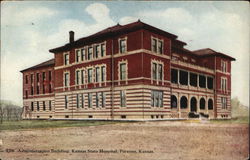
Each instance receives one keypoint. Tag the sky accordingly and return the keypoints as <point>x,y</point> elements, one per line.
<point>30,29</point>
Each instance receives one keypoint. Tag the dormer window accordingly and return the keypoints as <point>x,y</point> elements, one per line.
<point>122,45</point>
<point>66,59</point>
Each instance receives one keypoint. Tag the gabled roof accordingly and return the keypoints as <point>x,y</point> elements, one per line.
<point>48,63</point>
<point>209,52</point>
<point>114,30</point>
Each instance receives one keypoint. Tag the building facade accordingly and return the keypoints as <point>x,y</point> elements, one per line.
<point>133,71</point>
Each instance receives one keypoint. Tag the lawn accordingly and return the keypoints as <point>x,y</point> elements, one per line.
<point>235,120</point>
<point>32,124</point>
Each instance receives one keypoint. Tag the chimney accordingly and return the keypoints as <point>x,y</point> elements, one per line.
<point>71,36</point>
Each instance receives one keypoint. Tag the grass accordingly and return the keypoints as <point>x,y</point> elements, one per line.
<point>235,120</point>
<point>34,124</point>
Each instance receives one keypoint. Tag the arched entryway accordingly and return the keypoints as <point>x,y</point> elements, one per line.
<point>193,104</point>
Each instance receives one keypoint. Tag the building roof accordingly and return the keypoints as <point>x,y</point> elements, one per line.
<point>209,52</point>
<point>114,30</point>
<point>48,63</point>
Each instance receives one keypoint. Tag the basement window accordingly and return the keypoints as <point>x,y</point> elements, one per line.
<point>37,116</point>
<point>123,116</point>
<point>66,116</point>
<point>90,116</point>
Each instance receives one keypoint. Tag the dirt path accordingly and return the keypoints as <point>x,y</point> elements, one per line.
<point>160,140</point>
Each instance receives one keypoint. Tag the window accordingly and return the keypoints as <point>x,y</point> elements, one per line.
<point>193,79</point>
<point>103,49</point>
<point>183,102</point>
<point>173,101</point>
<point>32,106</point>
<point>90,75</point>
<point>82,78</point>
<point>97,74</point>
<point>154,71</point>
<point>157,45</point>
<point>50,75</point>
<point>26,79</point>
<point>223,84</point>
<point>82,100</point>
<point>97,51</point>
<point>123,98</point>
<point>78,55</point>
<point>123,116</point>
<point>97,100</point>
<point>37,89</point>
<point>44,106</point>
<point>66,59</point>
<point>83,54</point>
<point>50,105</point>
<point>183,78</point>
<point>210,82</point>
<point>103,70</point>
<point>202,81</point>
<point>37,106</point>
<point>122,45</point>
<point>66,79</point>
<point>43,76</point>
<point>210,104</point>
<point>66,100</point>
<point>156,98</point>
<point>32,78</point>
<point>160,47</point>
<point>43,89</point>
<point>154,45</point>
<point>174,76</point>
<point>50,88</point>
<point>78,104</point>
<point>202,103</point>
<point>103,99</point>
<point>37,77</point>
<point>224,102</point>
<point>89,100</point>
<point>78,77</point>
<point>122,71</point>
<point>26,94</point>
<point>160,72</point>
<point>90,53</point>
<point>31,90</point>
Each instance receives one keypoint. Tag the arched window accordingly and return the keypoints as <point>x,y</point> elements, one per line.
<point>183,102</point>
<point>210,104</point>
<point>193,104</point>
<point>173,101</point>
<point>202,103</point>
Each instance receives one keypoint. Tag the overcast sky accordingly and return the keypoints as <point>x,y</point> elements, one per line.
<point>30,29</point>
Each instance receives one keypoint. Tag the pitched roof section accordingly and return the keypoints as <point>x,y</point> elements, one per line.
<point>117,29</point>
<point>48,63</point>
<point>209,52</point>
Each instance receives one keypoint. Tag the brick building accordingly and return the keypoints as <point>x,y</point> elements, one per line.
<point>133,71</point>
